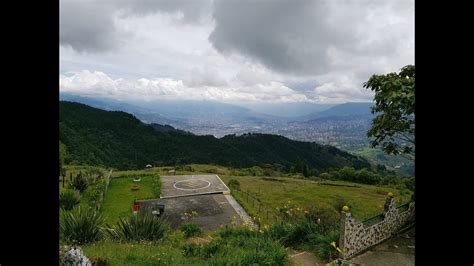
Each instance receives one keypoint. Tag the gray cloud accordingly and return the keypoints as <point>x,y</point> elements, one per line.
<point>309,37</point>
<point>264,50</point>
<point>188,11</point>
<point>90,26</point>
<point>87,26</point>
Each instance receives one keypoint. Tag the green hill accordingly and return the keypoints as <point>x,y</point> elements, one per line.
<point>118,139</point>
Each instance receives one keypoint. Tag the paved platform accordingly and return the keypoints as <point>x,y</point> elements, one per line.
<point>186,185</point>
<point>213,210</point>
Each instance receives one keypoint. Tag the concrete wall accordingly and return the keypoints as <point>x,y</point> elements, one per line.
<point>357,237</point>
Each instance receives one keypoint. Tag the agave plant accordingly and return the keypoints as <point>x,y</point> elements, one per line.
<point>79,183</point>
<point>81,226</point>
<point>68,199</point>
<point>139,227</point>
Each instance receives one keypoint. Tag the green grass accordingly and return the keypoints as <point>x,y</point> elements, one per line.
<point>365,200</point>
<point>119,196</point>
<point>223,250</point>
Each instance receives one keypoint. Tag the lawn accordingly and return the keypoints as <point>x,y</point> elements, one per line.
<point>365,200</point>
<point>119,196</point>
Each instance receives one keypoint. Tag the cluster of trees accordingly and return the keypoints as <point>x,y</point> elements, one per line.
<point>117,139</point>
<point>353,175</point>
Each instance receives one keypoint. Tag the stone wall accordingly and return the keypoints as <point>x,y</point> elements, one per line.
<point>356,236</point>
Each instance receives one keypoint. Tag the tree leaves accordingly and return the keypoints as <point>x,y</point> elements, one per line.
<point>394,128</point>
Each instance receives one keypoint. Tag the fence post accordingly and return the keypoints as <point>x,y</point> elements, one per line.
<point>342,229</point>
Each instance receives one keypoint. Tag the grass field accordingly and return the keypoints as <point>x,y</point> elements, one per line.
<point>119,197</point>
<point>365,200</point>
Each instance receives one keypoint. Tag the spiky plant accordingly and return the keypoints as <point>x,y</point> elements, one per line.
<point>68,199</point>
<point>79,182</point>
<point>191,229</point>
<point>81,225</point>
<point>143,226</point>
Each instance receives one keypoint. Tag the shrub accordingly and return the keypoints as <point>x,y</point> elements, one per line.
<point>321,244</point>
<point>233,183</point>
<point>191,229</point>
<point>210,249</point>
<point>68,199</point>
<point>99,261</point>
<point>139,227</point>
<point>79,182</point>
<point>156,185</point>
<point>81,226</point>
<point>191,250</point>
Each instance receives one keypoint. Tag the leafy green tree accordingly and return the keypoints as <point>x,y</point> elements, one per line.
<point>62,154</point>
<point>393,129</point>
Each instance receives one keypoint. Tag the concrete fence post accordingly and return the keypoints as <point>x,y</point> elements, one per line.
<point>344,214</point>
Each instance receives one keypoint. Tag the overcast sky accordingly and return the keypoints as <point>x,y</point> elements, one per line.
<point>232,51</point>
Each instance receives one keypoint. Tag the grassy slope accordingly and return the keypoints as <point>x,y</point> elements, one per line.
<point>365,200</point>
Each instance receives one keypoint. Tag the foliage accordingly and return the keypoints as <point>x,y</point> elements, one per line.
<point>119,140</point>
<point>62,154</point>
<point>143,226</point>
<point>79,182</point>
<point>233,183</point>
<point>313,228</point>
<point>191,229</point>
<point>394,126</point>
<point>363,176</point>
<point>156,185</point>
<point>68,199</point>
<point>252,248</point>
<point>81,225</point>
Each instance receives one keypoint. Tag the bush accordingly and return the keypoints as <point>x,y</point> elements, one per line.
<point>81,226</point>
<point>156,185</point>
<point>99,261</point>
<point>139,227</point>
<point>314,229</point>
<point>191,229</point>
<point>321,244</point>
<point>191,250</point>
<point>68,199</point>
<point>233,183</point>
<point>79,183</point>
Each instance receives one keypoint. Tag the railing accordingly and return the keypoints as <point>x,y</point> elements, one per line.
<point>403,207</point>
<point>374,219</point>
<point>261,210</point>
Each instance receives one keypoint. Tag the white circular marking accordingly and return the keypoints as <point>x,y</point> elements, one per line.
<point>208,185</point>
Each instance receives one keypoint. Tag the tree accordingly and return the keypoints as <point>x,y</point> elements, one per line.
<point>62,154</point>
<point>393,129</point>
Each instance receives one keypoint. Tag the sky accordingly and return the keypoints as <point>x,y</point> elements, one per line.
<point>232,51</point>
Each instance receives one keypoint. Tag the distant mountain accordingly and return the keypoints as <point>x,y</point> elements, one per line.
<point>286,110</point>
<point>118,139</point>
<point>148,115</point>
<point>345,109</point>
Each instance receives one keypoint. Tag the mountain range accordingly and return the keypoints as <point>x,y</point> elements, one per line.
<point>118,139</point>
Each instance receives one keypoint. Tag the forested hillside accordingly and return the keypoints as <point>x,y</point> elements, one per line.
<point>117,139</point>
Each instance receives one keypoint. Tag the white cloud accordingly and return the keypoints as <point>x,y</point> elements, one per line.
<point>320,51</point>
<point>99,84</point>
